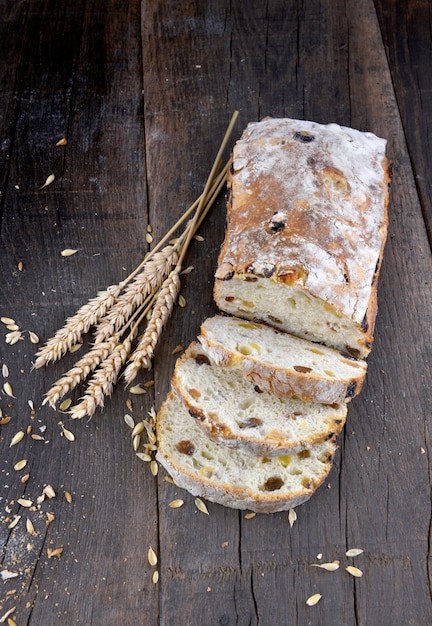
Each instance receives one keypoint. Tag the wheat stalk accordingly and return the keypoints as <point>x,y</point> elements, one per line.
<point>164,303</point>
<point>149,292</point>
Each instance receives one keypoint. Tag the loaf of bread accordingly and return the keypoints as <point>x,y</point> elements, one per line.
<point>230,477</point>
<point>307,223</point>
<point>281,363</point>
<point>236,413</point>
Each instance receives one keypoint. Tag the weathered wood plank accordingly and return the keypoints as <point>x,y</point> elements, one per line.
<point>406,32</point>
<point>132,157</point>
<point>78,76</point>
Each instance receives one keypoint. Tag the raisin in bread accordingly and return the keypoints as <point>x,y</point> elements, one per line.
<point>233,411</point>
<point>307,223</point>
<point>281,363</point>
<point>233,478</point>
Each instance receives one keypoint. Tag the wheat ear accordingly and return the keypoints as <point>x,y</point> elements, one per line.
<point>76,326</point>
<point>147,281</point>
<point>79,372</point>
<point>102,382</point>
<point>143,354</point>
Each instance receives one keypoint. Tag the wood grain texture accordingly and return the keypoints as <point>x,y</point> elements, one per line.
<point>143,92</point>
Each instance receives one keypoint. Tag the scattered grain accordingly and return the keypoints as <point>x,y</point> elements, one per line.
<point>138,429</point>
<point>144,457</point>
<point>177,349</point>
<point>354,552</point>
<point>14,522</point>
<point>330,567</point>
<point>149,383</point>
<point>176,504</point>
<point>68,252</point>
<point>137,390</point>
<point>168,479</point>
<point>30,527</point>
<point>5,370</point>
<point>37,437</point>
<point>17,438</point>
<point>354,571</point>
<point>62,142</point>
<point>33,337</point>
<point>68,496</point>
<point>152,557</point>
<point>68,434</point>
<point>292,517</point>
<point>200,505</point>
<point>155,576</point>
<point>198,238</point>
<point>6,574</point>
<point>129,404</point>
<point>25,503</point>
<point>4,617</point>
<point>48,490</point>
<point>250,515</point>
<point>13,337</point>
<point>25,478</point>
<point>154,468</point>
<point>75,348</point>
<point>53,553</point>
<point>7,388</point>
<point>20,465</point>
<point>29,429</point>
<point>312,600</point>
<point>65,404</point>
<point>31,405</point>
<point>7,320</point>
<point>11,622</point>
<point>129,420</point>
<point>182,301</point>
<point>5,420</point>
<point>50,179</point>
<point>20,266</point>
<point>136,443</point>
<point>149,238</point>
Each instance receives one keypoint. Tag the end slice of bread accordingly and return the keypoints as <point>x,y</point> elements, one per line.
<point>231,477</point>
<point>233,411</point>
<point>281,363</point>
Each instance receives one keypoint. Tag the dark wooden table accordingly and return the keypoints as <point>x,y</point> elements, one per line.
<point>143,92</point>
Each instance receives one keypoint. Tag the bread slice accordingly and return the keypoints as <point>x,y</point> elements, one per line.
<point>307,224</point>
<point>231,409</point>
<point>233,478</point>
<point>281,363</point>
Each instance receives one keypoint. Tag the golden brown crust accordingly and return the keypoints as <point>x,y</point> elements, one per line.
<point>308,208</point>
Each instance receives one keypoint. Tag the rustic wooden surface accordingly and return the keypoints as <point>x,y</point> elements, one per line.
<point>143,91</point>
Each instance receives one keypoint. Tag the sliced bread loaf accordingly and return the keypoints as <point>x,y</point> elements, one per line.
<point>282,363</point>
<point>233,478</point>
<point>307,224</point>
<point>233,410</point>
